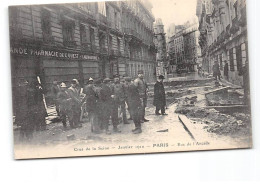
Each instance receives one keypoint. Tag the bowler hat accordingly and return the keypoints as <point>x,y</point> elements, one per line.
<point>106,80</point>
<point>161,77</point>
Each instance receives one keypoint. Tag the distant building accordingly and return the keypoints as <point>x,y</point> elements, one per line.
<point>223,35</point>
<point>183,48</point>
<point>160,43</point>
<point>192,49</point>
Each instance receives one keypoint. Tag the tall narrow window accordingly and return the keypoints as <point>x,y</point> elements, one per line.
<point>92,38</point>
<point>68,29</point>
<point>221,62</point>
<point>110,42</point>
<point>239,58</point>
<point>46,25</point>
<point>231,60</point>
<point>118,46</point>
<point>85,37</point>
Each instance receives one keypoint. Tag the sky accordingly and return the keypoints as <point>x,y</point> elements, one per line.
<point>174,11</point>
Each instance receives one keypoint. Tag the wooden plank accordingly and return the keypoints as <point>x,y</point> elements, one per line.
<point>186,124</point>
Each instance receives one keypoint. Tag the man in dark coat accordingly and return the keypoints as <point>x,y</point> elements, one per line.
<point>64,101</point>
<point>159,96</point>
<point>36,106</point>
<point>118,100</point>
<point>75,110</point>
<point>216,71</point>
<point>22,116</point>
<point>135,104</point>
<point>91,100</point>
<point>106,101</point>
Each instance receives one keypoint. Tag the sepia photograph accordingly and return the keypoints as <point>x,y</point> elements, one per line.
<point>129,77</point>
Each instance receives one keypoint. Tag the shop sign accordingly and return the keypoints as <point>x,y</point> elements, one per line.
<point>51,53</point>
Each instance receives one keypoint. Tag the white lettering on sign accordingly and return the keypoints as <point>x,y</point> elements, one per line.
<point>50,53</point>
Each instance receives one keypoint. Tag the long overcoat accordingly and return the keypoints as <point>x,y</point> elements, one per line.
<point>159,95</point>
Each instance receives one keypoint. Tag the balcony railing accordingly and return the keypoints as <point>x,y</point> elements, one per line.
<point>69,43</point>
<point>115,52</point>
<point>132,33</point>
<point>88,47</point>
<point>103,50</point>
<point>47,38</point>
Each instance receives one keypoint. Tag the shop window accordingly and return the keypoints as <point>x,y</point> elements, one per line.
<point>84,35</point>
<point>221,62</point>
<point>231,60</point>
<point>110,42</point>
<point>118,45</point>
<point>239,58</point>
<point>92,38</point>
<point>102,41</point>
<point>68,29</point>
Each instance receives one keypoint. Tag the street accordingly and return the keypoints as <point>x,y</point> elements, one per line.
<point>174,130</point>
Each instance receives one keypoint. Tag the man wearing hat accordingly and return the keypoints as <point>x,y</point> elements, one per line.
<point>106,102</point>
<point>142,89</point>
<point>74,112</point>
<point>135,106</point>
<point>91,100</point>
<point>159,96</point>
<point>118,100</point>
<point>64,100</point>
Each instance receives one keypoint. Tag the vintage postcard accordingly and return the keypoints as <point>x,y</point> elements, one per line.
<point>129,77</point>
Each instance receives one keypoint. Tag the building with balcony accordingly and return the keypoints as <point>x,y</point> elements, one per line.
<point>66,41</point>
<point>192,49</point>
<point>140,52</point>
<point>223,35</point>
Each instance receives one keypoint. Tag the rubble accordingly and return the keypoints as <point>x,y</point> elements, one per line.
<point>218,123</point>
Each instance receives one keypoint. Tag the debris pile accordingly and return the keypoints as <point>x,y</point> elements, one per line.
<point>218,123</point>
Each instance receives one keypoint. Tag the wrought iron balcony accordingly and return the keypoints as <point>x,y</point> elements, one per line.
<point>115,52</point>
<point>103,50</point>
<point>88,47</point>
<point>69,43</point>
<point>133,33</point>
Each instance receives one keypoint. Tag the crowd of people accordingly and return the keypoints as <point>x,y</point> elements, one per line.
<point>102,101</point>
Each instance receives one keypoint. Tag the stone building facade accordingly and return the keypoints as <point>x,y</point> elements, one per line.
<point>184,53</point>
<point>160,44</point>
<point>223,36</point>
<point>66,41</point>
<point>192,51</point>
